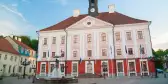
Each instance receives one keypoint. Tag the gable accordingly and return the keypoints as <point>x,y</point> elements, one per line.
<point>89,22</point>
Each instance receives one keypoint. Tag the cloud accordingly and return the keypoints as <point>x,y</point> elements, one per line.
<point>62,2</point>
<point>13,11</point>
<point>27,1</point>
<point>160,41</point>
<point>13,22</point>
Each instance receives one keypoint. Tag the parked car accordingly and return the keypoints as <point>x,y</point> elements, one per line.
<point>159,70</point>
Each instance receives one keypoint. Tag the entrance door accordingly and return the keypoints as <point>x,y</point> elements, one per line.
<point>105,68</point>
<point>62,69</point>
<point>75,69</point>
<point>120,69</point>
<point>131,69</point>
<point>89,67</point>
<point>144,68</point>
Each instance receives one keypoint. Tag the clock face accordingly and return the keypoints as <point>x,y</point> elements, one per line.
<point>92,10</point>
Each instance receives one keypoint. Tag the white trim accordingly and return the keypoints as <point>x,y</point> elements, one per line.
<point>107,67</point>
<point>41,68</point>
<point>50,73</point>
<point>122,65</point>
<point>72,74</point>
<point>92,66</point>
<point>134,66</point>
<point>146,64</point>
<point>62,74</point>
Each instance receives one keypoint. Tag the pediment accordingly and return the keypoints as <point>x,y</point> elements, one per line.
<point>89,22</point>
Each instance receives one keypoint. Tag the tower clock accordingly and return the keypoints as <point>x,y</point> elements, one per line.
<point>93,8</point>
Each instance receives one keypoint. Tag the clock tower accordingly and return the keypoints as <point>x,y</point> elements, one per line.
<point>93,8</point>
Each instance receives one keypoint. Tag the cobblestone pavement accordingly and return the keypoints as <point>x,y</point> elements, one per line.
<point>124,80</point>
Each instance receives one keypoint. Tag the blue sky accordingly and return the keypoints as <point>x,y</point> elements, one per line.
<point>25,17</point>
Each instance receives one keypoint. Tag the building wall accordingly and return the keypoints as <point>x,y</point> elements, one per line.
<point>98,27</point>
<point>14,63</point>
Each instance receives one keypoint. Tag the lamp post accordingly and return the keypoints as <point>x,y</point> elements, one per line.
<point>25,63</point>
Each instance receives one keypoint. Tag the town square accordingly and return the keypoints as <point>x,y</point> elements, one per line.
<point>83,42</point>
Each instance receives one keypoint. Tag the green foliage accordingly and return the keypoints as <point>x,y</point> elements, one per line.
<point>26,40</point>
<point>1,36</point>
<point>34,44</point>
<point>159,56</point>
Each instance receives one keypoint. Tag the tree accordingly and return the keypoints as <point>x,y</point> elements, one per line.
<point>34,44</point>
<point>1,36</point>
<point>26,40</point>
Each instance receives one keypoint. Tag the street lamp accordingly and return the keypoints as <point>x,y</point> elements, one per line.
<point>25,63</point>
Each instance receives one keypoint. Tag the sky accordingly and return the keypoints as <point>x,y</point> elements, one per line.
<point>25,17</point>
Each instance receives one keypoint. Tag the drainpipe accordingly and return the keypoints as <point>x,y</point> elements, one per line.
<point>66,52</point>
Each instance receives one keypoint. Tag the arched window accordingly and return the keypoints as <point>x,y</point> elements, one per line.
<point>103,36</point>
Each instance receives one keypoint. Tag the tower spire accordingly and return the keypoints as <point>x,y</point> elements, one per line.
<point>93,8</point>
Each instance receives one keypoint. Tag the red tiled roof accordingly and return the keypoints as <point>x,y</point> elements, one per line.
<point>113,18</point>
<point>22,44</point>
<point>7,47</point>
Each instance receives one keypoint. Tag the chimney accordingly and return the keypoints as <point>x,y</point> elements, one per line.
<point>15,37</point>
<point>19,39</point>
<point>76,13</point>
<point>111,8</point>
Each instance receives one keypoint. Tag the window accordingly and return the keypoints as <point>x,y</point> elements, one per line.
<point>5,57</point>
<point>44,54</point>
<point>89,53</point>
<point>30,69</point>
<point>144,66</point>
<point>53,54</point>
<point>131,66</point>
<point>117,34</point>
<point>75,38</point>
<point>21,59</point>
<point>103,36</point>
<point>51,67</point>
<point>142,50</point>
<point>54,40</point>
<point>15,59</point>
<point>9,69</point>
<point>104,52</point>
<point>62,67</point>
<point>62,39</point>
<point>128,34</point>
<point>75,67</point>
<point>130,51</point>
<point>105,67</point>
<point>74,53</point>
<point>89,38</point>
<point>140,36</point>
<point>0,56</point>
<point>43,68</point>
<point>62,53</point>
<point>11,58</point>
<point>120,66</point>
<point>20,69</point>
<point>45,41</point>
<point>118,51</point>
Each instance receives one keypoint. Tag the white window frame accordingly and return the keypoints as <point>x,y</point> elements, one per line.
<point>62,73</point>
<point>107,68</point>
<point>122,65</point>
<point>127,37</point>
<point>141,66</point>
<point>50,73</point>
<point>129,67</point>
<point>92,66</point>
<point>102,52</point>
<point>74,74</point>
<point>41,68</point>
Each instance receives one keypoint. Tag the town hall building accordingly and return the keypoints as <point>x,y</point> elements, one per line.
<point>97,43</point>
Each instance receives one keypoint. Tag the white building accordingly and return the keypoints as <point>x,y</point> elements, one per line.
<point>12,52</point>
<point>107,42</point>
